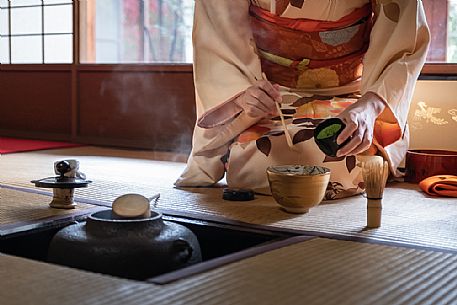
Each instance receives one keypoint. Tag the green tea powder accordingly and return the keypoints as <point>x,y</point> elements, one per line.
<point>328,131</point>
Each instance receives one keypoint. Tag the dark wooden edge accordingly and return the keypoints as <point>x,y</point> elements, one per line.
<point>342,237</point>
<point>48,192</point>
<point>30,134</point>
<point>74,107</point>
<point>36,67</point>
<point>99,67</point>
<point>136,67</point>
<point>225,260</point>
<point>14,229</point>
<point>172,145</point>
<point>220,220</point>
<point>438,69</point>
<point>27,190</point>
<point>42,224</point>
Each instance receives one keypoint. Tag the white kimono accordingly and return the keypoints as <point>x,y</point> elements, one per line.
<point>226,63</point>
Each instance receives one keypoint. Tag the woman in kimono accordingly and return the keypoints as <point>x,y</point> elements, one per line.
<point>353,59</point>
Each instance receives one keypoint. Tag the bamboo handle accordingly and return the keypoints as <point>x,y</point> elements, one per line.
<point>374,172</point>
<point>284,126</point>
<point>283,122</point>
<point>374,213</point>
<point>156,198</point>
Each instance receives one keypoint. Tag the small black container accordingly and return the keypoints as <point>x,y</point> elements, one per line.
<point>237,194</point>
<point>326,133</point>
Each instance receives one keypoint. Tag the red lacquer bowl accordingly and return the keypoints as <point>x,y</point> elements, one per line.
<point>421,164</point>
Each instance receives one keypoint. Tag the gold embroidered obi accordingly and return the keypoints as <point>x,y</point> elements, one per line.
<point>305,53</point>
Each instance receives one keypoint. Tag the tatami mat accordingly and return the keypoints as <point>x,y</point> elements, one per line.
<point>20,210</point>
<point>319,271</point>
<point>409,216</point>
<point>112,171</point>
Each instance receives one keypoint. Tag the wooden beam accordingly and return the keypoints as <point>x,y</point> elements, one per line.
<point>74,71</point>
<point>87,31</point>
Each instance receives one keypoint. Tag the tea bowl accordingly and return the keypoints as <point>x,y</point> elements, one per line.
<point>297,188</point>
<point>424,163</point>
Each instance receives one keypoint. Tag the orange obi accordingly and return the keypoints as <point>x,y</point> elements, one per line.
<point>305,53</point>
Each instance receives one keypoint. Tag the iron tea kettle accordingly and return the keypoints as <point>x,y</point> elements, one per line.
<point>130,248</point>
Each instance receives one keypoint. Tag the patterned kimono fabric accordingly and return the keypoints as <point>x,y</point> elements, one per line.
<point>301,54</point>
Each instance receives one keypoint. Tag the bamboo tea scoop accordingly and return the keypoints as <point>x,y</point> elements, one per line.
<point>283,122</point>
<point>133,206</point>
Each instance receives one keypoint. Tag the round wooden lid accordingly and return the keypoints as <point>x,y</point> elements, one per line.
<point>131,206</point>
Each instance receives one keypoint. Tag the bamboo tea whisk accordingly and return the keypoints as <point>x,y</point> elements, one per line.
<point>375,172</point>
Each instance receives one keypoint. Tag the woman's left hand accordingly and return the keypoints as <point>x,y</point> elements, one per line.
<point>359,118</point>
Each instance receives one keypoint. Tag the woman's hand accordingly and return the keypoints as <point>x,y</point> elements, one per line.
<point>359,118</point>
<point>258,101</point>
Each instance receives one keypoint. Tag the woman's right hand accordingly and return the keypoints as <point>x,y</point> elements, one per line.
<point>258,101</point>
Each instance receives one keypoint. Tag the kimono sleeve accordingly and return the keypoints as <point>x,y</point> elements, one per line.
<point>225,64</point>
<point>398,47</point>
<point>225,61</point>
